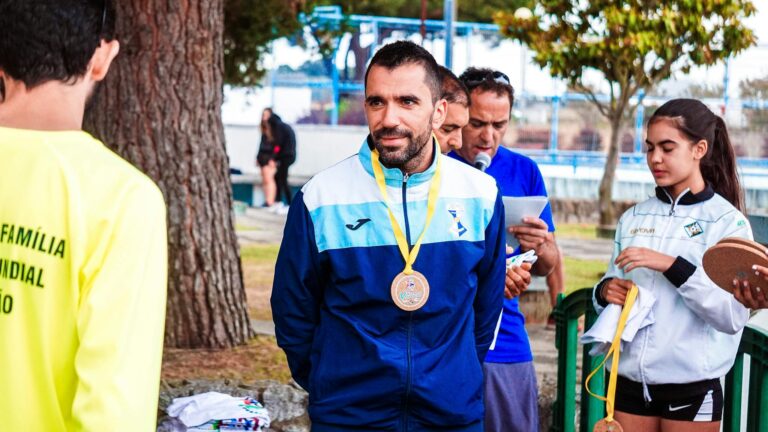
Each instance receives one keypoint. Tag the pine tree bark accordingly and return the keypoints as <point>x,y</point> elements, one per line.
<point>160,108</point>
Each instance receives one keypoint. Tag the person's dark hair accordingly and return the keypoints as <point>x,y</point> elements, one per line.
<point>402,53</point>
<point>697,122</point>
<point>488,80</point>
<point>52,40</point>
<point>454,91</point>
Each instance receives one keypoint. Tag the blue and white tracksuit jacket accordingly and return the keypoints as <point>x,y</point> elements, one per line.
<point>697,325</point>
<point>366,364</point>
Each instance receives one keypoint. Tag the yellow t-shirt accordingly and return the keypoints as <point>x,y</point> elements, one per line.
<point>83,271</point>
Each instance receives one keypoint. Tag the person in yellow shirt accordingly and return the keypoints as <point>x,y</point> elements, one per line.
<point>83,251</point>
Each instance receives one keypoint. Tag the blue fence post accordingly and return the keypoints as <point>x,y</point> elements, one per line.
<point>335,80</point>
<point>554,129</point>
<point>639,123</point>
<point>375,44</point>
<point>448,11</point>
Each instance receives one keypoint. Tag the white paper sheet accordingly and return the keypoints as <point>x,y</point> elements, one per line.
<point>516,208</point>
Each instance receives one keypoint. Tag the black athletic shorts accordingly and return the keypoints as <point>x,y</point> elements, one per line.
<point>700,401</point>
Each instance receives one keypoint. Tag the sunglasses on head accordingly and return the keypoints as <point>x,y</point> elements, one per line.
<point>475,80</point>
<point>103,16</point>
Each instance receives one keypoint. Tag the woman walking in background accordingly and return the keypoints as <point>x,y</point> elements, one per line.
<point>266,160</point>
<point>284,142</point>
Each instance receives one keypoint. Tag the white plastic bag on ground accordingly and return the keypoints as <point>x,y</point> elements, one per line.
<point>203,408</point>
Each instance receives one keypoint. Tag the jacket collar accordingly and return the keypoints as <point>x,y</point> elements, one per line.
<point>393,176</point>
<point>688,198</point>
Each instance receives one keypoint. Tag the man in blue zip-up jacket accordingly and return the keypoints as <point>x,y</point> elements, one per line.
<point>389,282</point>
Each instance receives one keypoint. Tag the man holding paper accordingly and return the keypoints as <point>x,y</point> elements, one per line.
<point>510,380</point>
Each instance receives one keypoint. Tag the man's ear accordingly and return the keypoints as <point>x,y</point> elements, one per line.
<point>102,59</point>
<point>441,111</point>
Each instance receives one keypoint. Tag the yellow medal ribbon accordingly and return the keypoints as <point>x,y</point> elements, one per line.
<point>615,351</point>
<point>408,254</point>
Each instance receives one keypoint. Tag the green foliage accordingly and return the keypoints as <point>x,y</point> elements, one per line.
<point>249,27</point>
<point>634,44</point>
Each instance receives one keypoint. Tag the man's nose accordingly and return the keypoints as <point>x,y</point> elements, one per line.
<point>391,117</point>
<point>487,134</point>
<point>455,142</point>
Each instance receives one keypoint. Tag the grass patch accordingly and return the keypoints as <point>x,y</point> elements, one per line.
<point>258,274</point>
<point>581,273</point>
<point>578,231</point>
<point>259,254</point>
<point>245,228</point>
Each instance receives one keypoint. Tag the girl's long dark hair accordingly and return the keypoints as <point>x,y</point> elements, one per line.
<point>718,167</point>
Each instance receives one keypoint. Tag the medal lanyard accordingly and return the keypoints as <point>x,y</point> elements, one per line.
<point>408,254</point>
<point>615,350</point>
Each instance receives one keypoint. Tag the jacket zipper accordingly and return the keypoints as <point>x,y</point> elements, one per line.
<point>405,210</point>
<point>408,371</point>
<point>674,202</point>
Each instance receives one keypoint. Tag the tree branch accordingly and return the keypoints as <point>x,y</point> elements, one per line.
<point>592,97</point>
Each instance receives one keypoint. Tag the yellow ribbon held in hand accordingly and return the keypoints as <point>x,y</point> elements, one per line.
<point>608,423</point>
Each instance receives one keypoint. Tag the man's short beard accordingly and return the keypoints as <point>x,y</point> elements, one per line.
<point>404,159</point>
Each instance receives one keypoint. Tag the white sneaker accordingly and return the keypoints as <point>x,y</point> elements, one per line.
<point>283,210</point>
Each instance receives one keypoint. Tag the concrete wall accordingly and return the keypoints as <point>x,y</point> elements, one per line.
<point>318,147</point>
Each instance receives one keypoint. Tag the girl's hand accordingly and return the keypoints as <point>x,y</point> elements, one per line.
<point>615,291</point>
<point>751,296</point>
<point>637,257</point>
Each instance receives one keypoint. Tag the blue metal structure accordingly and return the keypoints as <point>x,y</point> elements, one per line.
<point>331,17</point>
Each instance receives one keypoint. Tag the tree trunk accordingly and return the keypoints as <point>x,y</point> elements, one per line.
<point>160,108</point>
<point>361,56</point>
<point>607,214</point>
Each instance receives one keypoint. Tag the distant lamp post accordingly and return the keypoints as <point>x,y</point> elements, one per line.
<point>523,13</point>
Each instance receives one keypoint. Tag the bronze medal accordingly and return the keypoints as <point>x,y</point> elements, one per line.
<point>410,292</point>
<point>607,426</point>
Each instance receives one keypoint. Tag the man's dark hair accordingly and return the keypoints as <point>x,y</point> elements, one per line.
<point>52,40</point>
<point>488,80</point>
<point>401,53</point>
<point>454,91</point>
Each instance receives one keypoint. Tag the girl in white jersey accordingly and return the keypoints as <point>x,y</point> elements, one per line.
<point>669,375</point>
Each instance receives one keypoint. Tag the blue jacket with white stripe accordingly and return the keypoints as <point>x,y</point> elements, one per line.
<point>366,364</point>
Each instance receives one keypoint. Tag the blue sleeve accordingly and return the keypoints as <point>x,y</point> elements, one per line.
<point>539,188</point>
<point>297,290</point>
<point>490,281</point>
